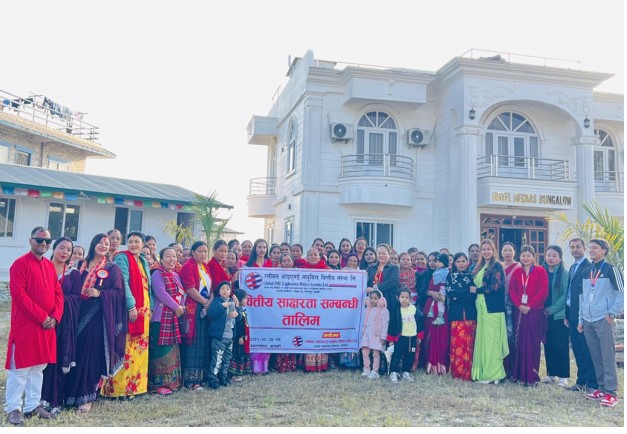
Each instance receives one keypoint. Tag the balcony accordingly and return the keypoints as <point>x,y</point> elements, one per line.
<point>505,166</point>
<point>609,182</point>
<point>261,195</point>
<point>386,179</point>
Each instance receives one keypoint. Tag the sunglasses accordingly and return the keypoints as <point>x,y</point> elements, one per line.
<point>39,240</point>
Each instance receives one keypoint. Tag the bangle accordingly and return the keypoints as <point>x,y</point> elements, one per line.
<point>132,308</point>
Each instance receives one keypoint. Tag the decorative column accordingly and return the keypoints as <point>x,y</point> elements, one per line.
<point>468,215</point>
<point>311,147</point>
<point>584,172</point>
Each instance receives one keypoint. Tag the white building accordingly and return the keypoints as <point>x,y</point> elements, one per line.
<point>43,148</point>
<point>483,147</point>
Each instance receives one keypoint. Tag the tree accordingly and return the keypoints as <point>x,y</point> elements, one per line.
<point>205,209</point>
<point>599,224</point>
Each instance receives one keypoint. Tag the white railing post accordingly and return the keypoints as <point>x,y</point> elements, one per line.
<point>386,164</point>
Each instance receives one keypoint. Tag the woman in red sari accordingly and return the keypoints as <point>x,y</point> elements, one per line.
<point>316,362</point>
<point>259,258</point>
<point>528,289</point>
<point>285,362</point>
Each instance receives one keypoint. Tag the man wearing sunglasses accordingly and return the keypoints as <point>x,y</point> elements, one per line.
<point>36,309</point>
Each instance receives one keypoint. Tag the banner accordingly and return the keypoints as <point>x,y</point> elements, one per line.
<point>297,310</point>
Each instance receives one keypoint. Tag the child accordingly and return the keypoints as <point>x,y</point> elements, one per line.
<point>436,319</point>
<point>222,316</point>
<point>374,332</point>
<point>405,348</point>
<point>240,363</point>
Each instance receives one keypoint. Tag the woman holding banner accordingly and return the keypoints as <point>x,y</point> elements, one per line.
<point>259,258</point>
<point>316,362</point>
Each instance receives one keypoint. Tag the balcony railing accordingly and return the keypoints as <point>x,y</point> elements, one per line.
<point>381,165</point>
<point>609,182</point>
<point>262,186</point>
<point>505,166</point>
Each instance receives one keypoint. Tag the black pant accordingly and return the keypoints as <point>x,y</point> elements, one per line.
<point>556,349</point>
<point>405,350</point>
<point>221,353</point>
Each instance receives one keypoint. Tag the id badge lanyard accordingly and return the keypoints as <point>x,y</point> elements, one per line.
<point>525,282</point>
<point>593,281</point>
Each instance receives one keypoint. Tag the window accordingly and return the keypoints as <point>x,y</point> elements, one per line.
<point>7,217</point>
<point>127,220</point>
<point>63,220</point>
<point>4,153</point>
<point>604,157</point>
<point>291,146</point>
<point>377,136</point>
<point>185,220</point>
<point>270,235</point>
<point>289,229</point>
<point>513,141</point>
<point>376,233</point>
<point>22,157</point>
<point>58,164</point>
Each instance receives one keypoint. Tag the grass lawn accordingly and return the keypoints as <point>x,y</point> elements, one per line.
<point>343,398</point>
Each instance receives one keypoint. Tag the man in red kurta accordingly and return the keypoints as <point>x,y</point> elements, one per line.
<point>36,309</point>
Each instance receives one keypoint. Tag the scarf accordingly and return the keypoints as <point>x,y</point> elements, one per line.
<point>90,279</point>
<point>169,333</point>
<point>136,283</point>
<point>321,265</point>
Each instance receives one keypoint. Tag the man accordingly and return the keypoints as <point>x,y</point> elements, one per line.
<point>586,377</point>
<point>602,300</point>
<point>36,309</point>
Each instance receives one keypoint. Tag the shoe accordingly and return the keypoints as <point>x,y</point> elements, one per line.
<point>196,387</point>
<point>407,376</point>
<point>237,379</point>
<point>562,382</point>
<point>373,375</point>
<point>366,372</point>
<point>576,388</point>
<point>16,418</point>
<point>609,400</point>
<point>164,391</point>
<point>84,408</point>
<point>595,395</point>
<point>39,411</point>
<point>394,377</point>
<point>484,382</point>
<point>548,380</point>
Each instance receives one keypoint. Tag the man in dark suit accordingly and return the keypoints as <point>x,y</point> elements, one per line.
<point>586,377</point>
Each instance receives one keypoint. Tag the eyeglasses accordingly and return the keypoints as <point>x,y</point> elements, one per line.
<point>40,240</point>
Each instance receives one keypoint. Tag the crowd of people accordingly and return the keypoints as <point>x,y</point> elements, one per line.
<point>111,323</point>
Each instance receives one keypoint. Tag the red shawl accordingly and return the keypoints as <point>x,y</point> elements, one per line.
<point>136,283</point>
<point>218,273</point>
<point>190,277</point>
<point>300,263</point>
<point>321,265</point>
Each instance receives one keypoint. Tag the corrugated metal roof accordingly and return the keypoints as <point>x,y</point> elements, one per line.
<point>38,178</point>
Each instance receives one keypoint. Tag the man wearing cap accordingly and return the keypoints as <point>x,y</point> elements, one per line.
<point>36,309</point>
<point>601,302</point>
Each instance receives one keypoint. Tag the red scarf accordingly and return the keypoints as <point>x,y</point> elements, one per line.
<point>300,263</point>
<point>218,273</point>
<point>90,279</point>
<point>169,332</point>
<point>136,283</point>
<point>321,265</point>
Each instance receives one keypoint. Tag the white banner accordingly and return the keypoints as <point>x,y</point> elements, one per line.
<point>299,310</point>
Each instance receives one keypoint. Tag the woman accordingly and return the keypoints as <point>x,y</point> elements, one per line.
<point>285,362</point>
<point>352,262</point>
<point>318,243</point>
<point>78,254</point>
<point>528,289</point>
<point>164,361</point>
<point>328,246</point>
<point>345,249</point>
<point>132,379</point>
<point>408,275</point>
<point>491,336</point>
<point>474,253</point>
<point>115,239</point>
<point>314,261</point>
<point>420,261</point>
<point>196,281</point>
<point>334,260</point>
<point>556,345</point>
<point>423,277</point>
<point>462,314</point>
<point>369,258</point>
<point>217,265</point>
<point>259,258</point>
<point>436,320</point>
<point>509,266</point>
<point>275,254</point>
<point>360,246</point>
<point>153,260</point>
<point>394,258</point>
<point>316,362</point>
<point>101,327</point>
<point>297,255</point>
<point>285,247</point>
<point>71,283</point>
<point>247,248</point>
<point>230,262</point>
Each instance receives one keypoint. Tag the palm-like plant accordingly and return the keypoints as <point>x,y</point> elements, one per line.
<point>599,224</point>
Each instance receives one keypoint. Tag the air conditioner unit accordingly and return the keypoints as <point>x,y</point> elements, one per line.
<point>341,132</point>
<point>418,138</point>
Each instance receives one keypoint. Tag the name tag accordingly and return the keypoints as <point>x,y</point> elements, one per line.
<point>524,299</point>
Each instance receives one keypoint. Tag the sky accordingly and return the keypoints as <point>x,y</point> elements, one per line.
<point>172,85</point>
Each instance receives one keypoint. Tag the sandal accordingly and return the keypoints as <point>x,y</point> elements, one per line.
<point>163,391</point>
<point>84,408</point>
<point>196,387</point>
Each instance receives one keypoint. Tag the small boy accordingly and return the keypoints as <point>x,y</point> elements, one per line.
<point>222,316</point>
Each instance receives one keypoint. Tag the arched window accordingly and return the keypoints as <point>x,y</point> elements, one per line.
<point>604,157</point>
<point>377,136</point>
<point>291,146</point>
<point>511,138</point>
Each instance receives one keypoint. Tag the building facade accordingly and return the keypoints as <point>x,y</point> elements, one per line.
<point>483,147</point>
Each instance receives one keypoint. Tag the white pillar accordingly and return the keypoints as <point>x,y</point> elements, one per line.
<point>468,227</point>
<point>584,171</point>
